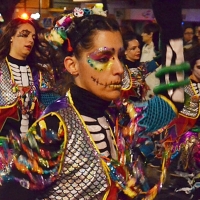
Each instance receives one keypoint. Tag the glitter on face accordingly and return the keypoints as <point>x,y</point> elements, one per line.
<point>25,34</point>
<point>101,59</point>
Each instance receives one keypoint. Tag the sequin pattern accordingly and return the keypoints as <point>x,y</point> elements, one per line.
<point>82,176</point>
<point>191,109</point>
<point>7,97</point>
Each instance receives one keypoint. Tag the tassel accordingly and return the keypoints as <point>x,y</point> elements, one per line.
<point>69,47</point>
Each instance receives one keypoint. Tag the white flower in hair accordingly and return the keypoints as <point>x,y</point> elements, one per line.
<point>98,10</point>
<point>78,12</point>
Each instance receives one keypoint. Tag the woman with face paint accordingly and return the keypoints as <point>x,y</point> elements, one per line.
<point>21,79</point>
<point>139,71</point>
<point>19,105</point>
<point>81,147</point>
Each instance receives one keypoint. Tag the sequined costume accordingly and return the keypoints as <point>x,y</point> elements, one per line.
<point>187,121</point>
<point>62,159</point>
<point>188,116</point>
<point>139,71</point>
<point>20,91</point>
<point>181,140</point>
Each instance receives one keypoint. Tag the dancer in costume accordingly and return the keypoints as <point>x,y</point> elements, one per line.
<point>20,80</point>
<point>72,151</point>
<point>139,71</point>
<point>182,134</point>
<point>171,54</point>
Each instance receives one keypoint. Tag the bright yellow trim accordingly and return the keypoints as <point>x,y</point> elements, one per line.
<point>106,169</point>
<point>85,126</point>
<point>8,106</point>
<point>170,103</point>
<point>104,165</point>
<point>65,131</point>
<point>40,79</point>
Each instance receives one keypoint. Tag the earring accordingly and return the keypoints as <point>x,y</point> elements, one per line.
<point>11,40</point>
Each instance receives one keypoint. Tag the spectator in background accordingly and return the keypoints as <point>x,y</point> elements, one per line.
<point>191,41</point>
<point>150,37</point>
<point>188,37</point>
<point>150,50</point>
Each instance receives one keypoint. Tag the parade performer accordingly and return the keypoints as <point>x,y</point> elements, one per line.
<point>77,150</point>
<point>181,137</point>
<point>21,80</point>
<point>139,71</point>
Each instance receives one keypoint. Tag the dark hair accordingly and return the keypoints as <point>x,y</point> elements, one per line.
<point>82,31</point>
<point>192,55</point>
<point>155,29</point>
<point>186,26</point>
<point>129,36</point>
<point>150,28</point>
<point>10,30</point>
<point>80,36</point>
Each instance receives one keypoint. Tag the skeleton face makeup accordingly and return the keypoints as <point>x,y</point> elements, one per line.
<point>100,69</point>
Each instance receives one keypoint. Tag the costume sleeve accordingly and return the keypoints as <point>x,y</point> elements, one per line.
<point>153,114</point>
<point>34,161</point>
<point>151,66</point>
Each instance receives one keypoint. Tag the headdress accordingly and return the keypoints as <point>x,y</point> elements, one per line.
<point>58,34</point>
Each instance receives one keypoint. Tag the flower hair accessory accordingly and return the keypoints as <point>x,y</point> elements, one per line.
<point>58,34</point>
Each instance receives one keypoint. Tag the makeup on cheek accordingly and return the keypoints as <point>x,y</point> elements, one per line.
<point>101,59</point>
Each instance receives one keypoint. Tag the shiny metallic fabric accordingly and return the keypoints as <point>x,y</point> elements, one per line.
<point>82,176</point>
<point>191,108</point>
<point>7,96</point>
<point>126,81</point>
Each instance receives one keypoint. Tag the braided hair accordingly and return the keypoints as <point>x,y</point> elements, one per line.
<point>83,30</point>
